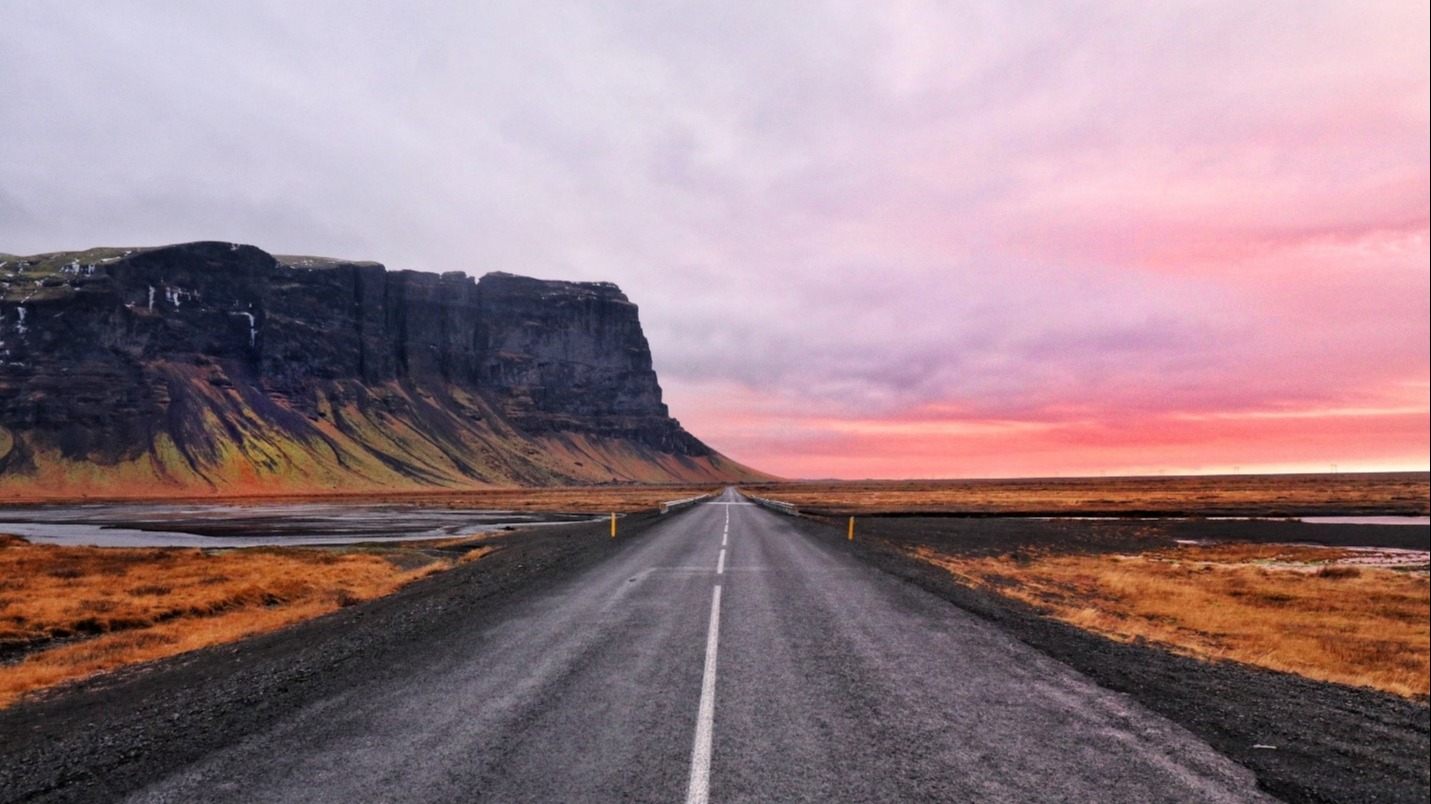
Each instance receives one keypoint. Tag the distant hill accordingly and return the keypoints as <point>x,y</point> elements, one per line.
<point>217,367</point>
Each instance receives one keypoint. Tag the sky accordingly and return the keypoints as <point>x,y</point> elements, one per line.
<point>894,239</point>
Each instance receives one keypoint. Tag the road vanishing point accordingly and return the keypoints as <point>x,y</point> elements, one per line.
<point>727,656</point>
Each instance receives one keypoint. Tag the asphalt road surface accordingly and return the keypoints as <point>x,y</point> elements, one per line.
<point>728,656</point>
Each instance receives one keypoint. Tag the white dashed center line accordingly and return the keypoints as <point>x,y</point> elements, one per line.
<point>699,789</point>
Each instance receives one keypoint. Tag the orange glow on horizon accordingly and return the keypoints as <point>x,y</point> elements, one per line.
<point>938,443</point>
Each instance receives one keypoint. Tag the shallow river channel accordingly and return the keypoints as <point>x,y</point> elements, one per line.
<point>210,525</point>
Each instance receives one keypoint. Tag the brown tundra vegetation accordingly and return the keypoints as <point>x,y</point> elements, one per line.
<point>1305,610</point>
<point>71,612</point>
<point>1227,495</point>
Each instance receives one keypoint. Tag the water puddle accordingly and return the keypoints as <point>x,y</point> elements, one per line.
<point>212,525</point>
<point>1423,521</point>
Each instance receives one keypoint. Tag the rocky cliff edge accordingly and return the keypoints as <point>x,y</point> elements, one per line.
<point>219,368</point>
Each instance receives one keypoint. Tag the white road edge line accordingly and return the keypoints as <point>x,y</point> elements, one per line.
<point>699,789</point>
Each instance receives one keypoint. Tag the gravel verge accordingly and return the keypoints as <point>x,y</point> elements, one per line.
<point>1306,741</point>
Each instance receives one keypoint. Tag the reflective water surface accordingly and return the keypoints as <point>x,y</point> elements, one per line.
<point>214,525</point>
<point>1423,521</point>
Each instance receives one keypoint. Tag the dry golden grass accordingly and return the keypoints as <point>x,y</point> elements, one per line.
<point>473,555</point>
<point>103,608</point>
<point>1266,495</point>
<point>1352,625</point>
<point>1307,555</point>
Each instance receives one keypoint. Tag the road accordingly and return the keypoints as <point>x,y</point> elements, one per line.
<point>729,656</point>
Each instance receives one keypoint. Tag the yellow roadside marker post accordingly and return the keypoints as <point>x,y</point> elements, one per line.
<point>613,524</point>
<point>852,528</point>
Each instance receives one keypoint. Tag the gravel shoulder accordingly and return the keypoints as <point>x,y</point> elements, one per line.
<point>1306,741</point>
<point>100,739</point>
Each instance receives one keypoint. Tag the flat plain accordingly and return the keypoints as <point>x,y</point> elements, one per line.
<point>1391,493</point>
<point>1153,563</point>
<point>618,498</point>
<point>1321,612</point>
<point>1304,739</point>
<point>68,613</point>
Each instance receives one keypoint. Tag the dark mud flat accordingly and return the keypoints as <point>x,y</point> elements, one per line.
<point>1401,537</point>
<point>992,536</point>
<point>996,535</point>
<point>1331,743</point>
<point>101,739</point>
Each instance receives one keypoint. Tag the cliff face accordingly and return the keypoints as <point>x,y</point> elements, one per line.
<point>216,366</point>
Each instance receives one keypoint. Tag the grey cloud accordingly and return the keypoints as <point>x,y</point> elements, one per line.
<point>831,204</point>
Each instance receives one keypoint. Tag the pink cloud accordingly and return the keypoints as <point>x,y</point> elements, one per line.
<point>1366,439</point>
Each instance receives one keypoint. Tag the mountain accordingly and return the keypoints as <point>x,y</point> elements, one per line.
<point>217,367</point>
